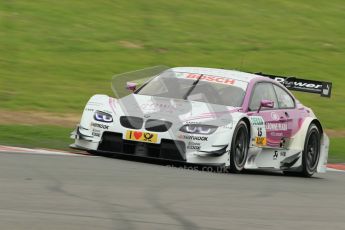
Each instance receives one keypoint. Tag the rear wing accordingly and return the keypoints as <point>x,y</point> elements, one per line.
<point>309,86</point>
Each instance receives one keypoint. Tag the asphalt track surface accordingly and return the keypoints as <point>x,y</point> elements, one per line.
<point>72,192</point>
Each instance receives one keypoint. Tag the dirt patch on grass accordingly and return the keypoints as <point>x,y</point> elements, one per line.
<point>38,118</point>
<point>130,45</point>
<point>70,120</point>
<point>335,133</point>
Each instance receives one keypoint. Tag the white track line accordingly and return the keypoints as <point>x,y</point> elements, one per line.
<point>37,151</point>
<point>334,170</point>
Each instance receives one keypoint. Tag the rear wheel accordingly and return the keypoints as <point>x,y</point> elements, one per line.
<point>311,153</point>
<point>239,148</point>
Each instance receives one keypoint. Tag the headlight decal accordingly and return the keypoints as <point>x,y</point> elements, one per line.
<point>198,129</point>
<point>103,117</point>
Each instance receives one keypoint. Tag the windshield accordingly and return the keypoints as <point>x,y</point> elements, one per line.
<point>209,89</point>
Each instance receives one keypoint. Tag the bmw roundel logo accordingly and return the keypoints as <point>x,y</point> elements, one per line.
<point>274,116</point>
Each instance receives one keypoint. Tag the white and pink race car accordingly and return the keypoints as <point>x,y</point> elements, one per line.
<point>211,117</point>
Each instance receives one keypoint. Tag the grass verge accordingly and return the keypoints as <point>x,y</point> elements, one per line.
<point>336,153</point>
<point>38,136</point>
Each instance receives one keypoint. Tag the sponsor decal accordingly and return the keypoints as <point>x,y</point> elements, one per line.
<point>304,85</point>
<point>298,84</point>
<point>215,79</point>
<point>101,126</point>
<point>260,138</point>
<point>93,103</point>
<point>275,155</point>
<point>228,126</point>
<point>89,110</point>
<point>276,126</point>
<point>192,122</point>
<point>157,107</point>
<point>276,134</point>
<point>260,141</point>
<point>256,121</point>
<point>193,138</point>
<point>193,145</point>
<point>141,136</point>
<point>283,142</point>
<point>278,153</point>
<point>96,134</point>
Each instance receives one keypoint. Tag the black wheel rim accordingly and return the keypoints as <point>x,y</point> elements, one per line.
<point>312,151</point>
<point>240,147</point>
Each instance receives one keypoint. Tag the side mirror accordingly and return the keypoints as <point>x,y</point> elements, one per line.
<point>131,86</point>
<point>266,104</point>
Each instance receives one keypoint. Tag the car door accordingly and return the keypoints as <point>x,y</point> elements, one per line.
<point>276,124</point>
<point>287,104</point>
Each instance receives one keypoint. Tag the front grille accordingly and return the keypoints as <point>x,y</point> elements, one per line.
<point>155,125</point>
<point>168,149</point>
<point>131,122</point>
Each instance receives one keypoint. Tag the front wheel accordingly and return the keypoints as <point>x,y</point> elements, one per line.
<point>239,148</point>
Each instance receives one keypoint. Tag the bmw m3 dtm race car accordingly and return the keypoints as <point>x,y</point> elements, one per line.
<point>209,116</point>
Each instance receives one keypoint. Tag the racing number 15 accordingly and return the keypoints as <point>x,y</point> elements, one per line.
<point>259,132</point>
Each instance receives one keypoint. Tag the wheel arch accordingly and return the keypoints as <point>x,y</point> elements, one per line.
<point>318,125</point>
<point>298,142</point>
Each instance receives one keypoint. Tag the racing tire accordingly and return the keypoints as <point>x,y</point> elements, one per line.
<point>239,148</point>
<point>311,153</point>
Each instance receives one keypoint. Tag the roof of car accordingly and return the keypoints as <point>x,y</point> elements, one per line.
<point>233,74</point>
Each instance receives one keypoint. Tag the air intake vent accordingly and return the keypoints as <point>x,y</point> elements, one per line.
<point>131,122</point>
<point>157,125</point>
<point>166,150</point>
